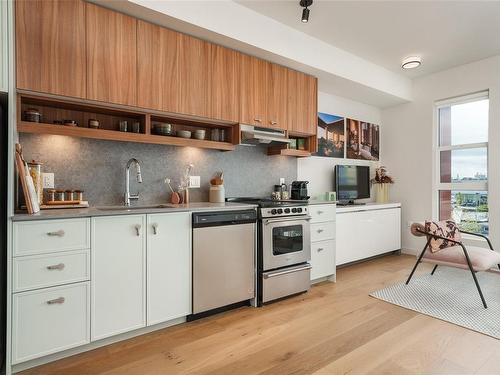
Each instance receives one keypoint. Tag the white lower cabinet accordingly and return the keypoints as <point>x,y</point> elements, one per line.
<point>168,266</point>
<point>366,233</point>
<point>118,275</point>
<point>46,321</point>
<point>323,241</point>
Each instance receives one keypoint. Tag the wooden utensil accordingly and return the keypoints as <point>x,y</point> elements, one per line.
<point>28,190</point>
<point>175,198</point>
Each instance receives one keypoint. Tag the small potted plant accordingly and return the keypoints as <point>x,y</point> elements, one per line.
<point>382,181</point>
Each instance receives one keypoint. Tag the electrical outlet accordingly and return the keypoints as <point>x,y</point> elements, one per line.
<point>194,181</point>
<point>282,180</point>
<point>48,180</point>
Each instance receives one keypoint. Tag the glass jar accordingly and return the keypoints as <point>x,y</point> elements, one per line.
<point>59,196</point>
<point>35,169</point>
<point>78,195</point>
<point>68,195</point>
<point>51,195</point>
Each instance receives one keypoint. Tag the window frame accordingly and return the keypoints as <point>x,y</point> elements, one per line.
<point>437,185</point>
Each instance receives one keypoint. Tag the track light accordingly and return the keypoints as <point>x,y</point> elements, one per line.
<point>305,12</point>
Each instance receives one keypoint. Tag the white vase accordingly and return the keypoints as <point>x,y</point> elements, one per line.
<point>382,193</point>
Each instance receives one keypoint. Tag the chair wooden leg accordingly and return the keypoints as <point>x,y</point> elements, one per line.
<point>434,269</point>
<point>474,277</point>
<point>418,261</point>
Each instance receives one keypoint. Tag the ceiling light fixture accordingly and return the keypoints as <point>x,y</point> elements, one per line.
<point>411,62</point>
<point>305,12</point>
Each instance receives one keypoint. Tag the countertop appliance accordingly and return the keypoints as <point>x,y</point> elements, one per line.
<point>283,247</point>
<point>299,190</point>
<point>223,260</point>
<point>254,135</point>
<point>352,182</point>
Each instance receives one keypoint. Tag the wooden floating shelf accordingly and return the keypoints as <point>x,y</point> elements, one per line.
<point>288,152</point>
<point>114,135</point>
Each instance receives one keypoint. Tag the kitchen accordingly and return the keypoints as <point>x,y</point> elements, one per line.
<point>157,183</point>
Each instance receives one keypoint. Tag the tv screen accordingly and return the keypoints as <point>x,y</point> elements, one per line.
<point>352,182</point>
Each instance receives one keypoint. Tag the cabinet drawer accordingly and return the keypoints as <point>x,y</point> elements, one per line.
<point>50,320</point>
<point>322,212</point>
<point>322,259</point>
<point>322,231</point>
<point>48,236</point>
<point>40,271</point>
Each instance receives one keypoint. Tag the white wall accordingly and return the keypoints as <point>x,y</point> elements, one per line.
<point>319,170</point>
<point>407,141</point>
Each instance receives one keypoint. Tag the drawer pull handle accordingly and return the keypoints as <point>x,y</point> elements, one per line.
<point>320,249</point>
<point>320,230</point>
<point>320,212</point>
<point>155,228</point>
<point>273,123</point>
<point>59,266</point>
<point>257,119</point>
<point>59,300</point>
<point>59,233</point>
<point>138,230</point>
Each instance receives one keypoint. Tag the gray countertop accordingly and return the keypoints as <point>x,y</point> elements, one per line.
<point>319,201</point>
<point>67,213</point>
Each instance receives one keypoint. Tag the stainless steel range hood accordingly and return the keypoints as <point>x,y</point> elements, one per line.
<point>253,135</point>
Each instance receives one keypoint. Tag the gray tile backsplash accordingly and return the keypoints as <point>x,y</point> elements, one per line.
<point>98,168</point>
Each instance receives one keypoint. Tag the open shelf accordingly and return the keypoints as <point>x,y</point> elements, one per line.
<point>288,152</point>
<point>53,109</point>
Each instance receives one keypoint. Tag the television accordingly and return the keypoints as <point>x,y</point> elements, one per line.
<point>352,182</point>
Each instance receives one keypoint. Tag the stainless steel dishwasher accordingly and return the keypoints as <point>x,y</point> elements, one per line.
<point>223,259</point>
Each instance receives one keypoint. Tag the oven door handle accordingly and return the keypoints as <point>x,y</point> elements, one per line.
<point>304,268</point>
<point>270,221</point>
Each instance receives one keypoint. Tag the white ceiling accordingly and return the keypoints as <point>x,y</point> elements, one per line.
<point>444,33</point>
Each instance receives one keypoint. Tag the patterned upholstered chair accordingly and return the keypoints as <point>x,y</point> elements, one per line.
<point>444,247</point>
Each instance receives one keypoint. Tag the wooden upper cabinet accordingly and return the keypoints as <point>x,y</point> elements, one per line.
<point>193,76</point>
<point>302,103</point>
<point>253,90</point>
<point>50,46</point>
<point>277,99</point>
<point>111,56</point>
<point>157,67</point>
<point>224,90</point>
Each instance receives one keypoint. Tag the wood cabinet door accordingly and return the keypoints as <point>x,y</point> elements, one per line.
<point>111,56</point>
<point>118,275</point>
<point>193,76</point>
<point>253,90</point>
<point>277,103</point>
<point>168,266</point>
<point>50,46</point>
<point>302,103</point>
<point>224,92</point>
<point>157,67</point>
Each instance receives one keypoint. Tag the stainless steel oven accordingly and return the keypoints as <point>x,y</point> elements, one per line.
<point>285,241</point>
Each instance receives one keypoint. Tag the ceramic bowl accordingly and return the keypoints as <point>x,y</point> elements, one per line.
<point>184,133</point>
<point>199,134</point>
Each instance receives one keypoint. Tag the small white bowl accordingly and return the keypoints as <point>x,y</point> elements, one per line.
<point>184,133</point>
<point>199,134</point>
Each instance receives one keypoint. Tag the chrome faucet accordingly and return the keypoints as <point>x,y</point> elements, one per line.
<point>128,196</point>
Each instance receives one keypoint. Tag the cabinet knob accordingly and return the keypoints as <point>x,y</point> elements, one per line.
<point>273,122</point>
<point>59,300</point>
<point>59,267</point>
<point>138,230</point>
<point>320,249</point>
<point>320,212</point>
<point>320,230</point>
<point>155,228</point>
<point>257,119</point>
<point>59,233</point>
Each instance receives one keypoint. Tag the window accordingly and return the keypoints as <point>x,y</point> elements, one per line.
<point>461,154</point>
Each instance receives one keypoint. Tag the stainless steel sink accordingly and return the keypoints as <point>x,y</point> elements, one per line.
<point>132,208</point>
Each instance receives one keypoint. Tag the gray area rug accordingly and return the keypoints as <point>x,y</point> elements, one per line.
<point>451,295</point>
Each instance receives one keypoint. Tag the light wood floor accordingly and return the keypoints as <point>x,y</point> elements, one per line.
<point>333,329</point>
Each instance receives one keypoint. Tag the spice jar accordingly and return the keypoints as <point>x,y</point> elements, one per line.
<point>51,195</point>
<point>32,115</point>
<point>35,169</point>
<point>59,195</point>
<point>68,196</point>
<point>78,195</point>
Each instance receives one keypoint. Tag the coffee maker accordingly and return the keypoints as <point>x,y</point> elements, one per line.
<point>299,190</point>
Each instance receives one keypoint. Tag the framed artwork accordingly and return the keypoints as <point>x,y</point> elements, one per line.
<point>331,136</point>
<point>363,140</point>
